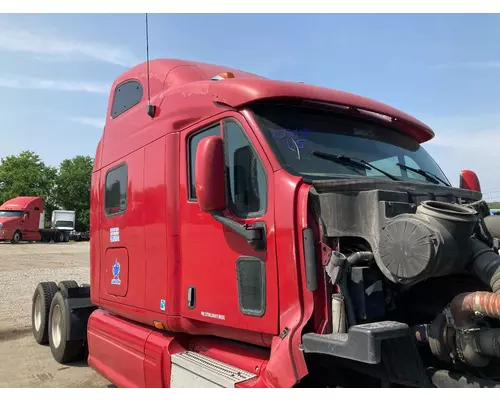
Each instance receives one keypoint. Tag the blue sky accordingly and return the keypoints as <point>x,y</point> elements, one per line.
<point>56,70</point>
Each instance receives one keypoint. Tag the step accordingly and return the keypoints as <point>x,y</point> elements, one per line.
<point>194,370</point>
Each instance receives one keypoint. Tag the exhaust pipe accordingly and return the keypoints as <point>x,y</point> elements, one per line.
<point>465,305</point>
<point>477,346</point>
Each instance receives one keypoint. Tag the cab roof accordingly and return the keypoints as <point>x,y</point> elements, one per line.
<point>19,203</point>
<point>168,76</point>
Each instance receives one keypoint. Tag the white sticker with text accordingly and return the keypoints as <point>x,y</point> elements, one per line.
<point>114,235</point>
<point>212,315</point>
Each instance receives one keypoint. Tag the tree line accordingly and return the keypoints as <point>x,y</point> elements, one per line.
<point>66,187</point>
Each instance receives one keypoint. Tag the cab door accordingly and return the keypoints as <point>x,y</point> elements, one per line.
<point>29,223</point>
<point>224,280</point>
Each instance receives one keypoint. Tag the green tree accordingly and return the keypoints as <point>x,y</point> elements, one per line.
<point>72,191</point>
<point>494,204</point>
<point>26,175</point>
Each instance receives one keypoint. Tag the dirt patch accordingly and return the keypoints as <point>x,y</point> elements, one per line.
<point>24,362</point>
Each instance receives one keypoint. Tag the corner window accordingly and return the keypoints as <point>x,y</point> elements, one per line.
<point>387,164</point>
<point>127,95</point>
<point>115,196</point>
<point>193,143</point>
<point>247,183</point>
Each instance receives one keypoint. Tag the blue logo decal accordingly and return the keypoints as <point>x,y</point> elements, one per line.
<point>116,274</point>
<point>162,305</point>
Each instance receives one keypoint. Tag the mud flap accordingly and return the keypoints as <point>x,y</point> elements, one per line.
<point>79,309</point>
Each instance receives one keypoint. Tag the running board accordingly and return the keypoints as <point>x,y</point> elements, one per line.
<point>194,370</point>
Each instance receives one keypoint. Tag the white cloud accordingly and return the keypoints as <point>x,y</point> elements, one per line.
<point>94,122</point>
<point>469,65</point>
<point>63,48</point>
<point>55,85</point>
<point>468,142</point>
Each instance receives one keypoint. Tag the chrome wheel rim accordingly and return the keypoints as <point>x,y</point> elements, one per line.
<point>56,326</point>
<point>38,313</point>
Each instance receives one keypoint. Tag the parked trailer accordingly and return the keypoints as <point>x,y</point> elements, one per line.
<point>23,218</point>
<point>256,233</point>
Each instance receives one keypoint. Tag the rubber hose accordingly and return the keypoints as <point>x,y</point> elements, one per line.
<point>453,380</point>
<point>486,264</point>
<point>355,258</point>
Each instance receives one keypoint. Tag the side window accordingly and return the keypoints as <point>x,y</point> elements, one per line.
<point>247,181</point>
<point>127,95</point>
<point>115,195</point>
<point>193,143</point>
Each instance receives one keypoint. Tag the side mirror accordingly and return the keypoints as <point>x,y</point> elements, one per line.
<point>209,175</point>
<point>469,180</point>
<point>211,192</point>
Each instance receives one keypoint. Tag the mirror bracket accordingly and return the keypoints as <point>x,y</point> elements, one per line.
<point>254,234</point>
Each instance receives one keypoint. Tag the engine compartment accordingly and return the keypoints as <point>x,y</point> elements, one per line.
<point>419,256</point>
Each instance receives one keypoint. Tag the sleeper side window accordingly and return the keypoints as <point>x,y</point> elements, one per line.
<point>247,182</point>
<point>115,195</point>
<point>193,142</point>
<point>127,95</point>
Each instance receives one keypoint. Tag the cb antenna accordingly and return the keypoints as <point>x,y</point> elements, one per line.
<point>151,109</point>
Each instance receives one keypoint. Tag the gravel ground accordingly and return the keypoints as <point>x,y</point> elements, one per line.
<point>24,362</point>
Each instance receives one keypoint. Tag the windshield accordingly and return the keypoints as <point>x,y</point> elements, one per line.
<point>64,224</point>
<point>298,134</point>
<point>10,214</point>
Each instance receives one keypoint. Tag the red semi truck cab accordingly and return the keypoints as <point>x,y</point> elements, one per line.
<point>256,233</point>
<point>21,218</point>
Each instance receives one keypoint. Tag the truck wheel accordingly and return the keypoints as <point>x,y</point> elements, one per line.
<point>60,237</point>
<point>62,349</point>
<point>16,238</point>
<point>65,285</point>
<point>42,298</point>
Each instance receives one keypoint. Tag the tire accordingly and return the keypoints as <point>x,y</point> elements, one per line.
<point>65,285</point>
<point>16,238</point>
<point>61,348</point>
<point>59,237</point>
<point>42,298</point>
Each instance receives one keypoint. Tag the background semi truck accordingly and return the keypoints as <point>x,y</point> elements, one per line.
<point>23,218</point>
<point>256,233</point>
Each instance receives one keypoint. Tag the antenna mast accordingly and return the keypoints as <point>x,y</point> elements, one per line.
<point>151,109</point>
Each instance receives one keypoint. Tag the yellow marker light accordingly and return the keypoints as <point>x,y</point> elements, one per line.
<point>158,325</point>
<point>227,75</point>
<point>223,75</point>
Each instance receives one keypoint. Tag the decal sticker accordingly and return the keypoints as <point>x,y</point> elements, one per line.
<point>114,235</point>
<point>162,305</point>
<point>212,315</point>
<point>116,274</point>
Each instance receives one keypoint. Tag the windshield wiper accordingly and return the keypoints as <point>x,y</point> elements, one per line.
<point>426,174</point>
<point>353,162</point>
